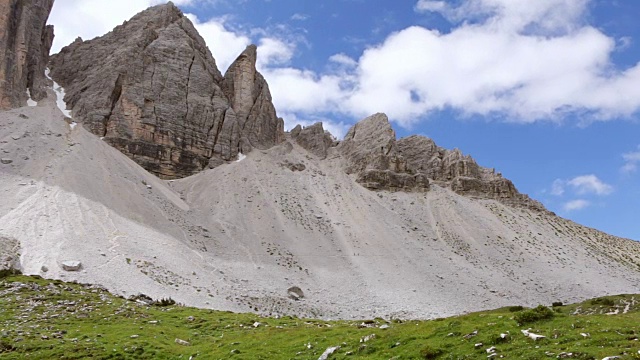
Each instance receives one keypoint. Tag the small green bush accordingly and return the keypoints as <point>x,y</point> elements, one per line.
<point>515,308</point>
<point>557,303</point>
<point>164,302</point>
<point>602,301</point>
<point>430,353</point>
<point>540,312</point>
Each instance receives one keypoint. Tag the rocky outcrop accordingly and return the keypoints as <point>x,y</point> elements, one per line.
<point>370,152</point>
<point>314,139</point>
<point>151,88</point>
<point>249,94</point>
<point>459,172</point>
<point>381,162</point>
<point>25,41</point>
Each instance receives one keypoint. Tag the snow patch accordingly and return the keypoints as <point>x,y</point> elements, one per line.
<point>30,101</point>
<point>59,90</point>
<point>241,157</point>
<point>73,125</point>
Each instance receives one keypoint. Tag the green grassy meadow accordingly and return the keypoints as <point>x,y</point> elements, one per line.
<point>47,319</point>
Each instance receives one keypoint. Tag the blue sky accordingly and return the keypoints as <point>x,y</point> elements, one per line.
<point>546,92</point>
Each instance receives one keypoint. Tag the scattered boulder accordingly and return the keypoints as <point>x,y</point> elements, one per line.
<point>325,355</point>
<point>293,166</point>
<point>71,265</point>
<point>25,41</point>
<point>295,293</point>
<point>182,342</point>
<point>6,161</point>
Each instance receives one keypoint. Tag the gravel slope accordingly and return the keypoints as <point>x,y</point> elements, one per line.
<point>238,236</point>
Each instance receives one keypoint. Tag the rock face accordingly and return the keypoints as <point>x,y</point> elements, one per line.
<point>370,152</point>
<point>250,97</point>
<point>313,139</point>
<point>25,41</point>
<point>459,172</point>
<point>381,162</point>
<point>152,89</point>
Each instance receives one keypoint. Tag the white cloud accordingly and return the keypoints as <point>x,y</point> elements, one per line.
<point>337,129</point>
<point>521,60</point>
<point>582,185</point>
<point>557,188</point>
<point>343,59</point>
<point>225,44</point>
<point>590,184</point>
<point>578,204</point>
<point>89,18</point>
<point>431,6</point>
<point>299,17</point>
<point>632,159</point>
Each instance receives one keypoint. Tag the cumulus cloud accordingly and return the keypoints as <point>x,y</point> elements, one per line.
<point>590,184</point>
<point>519,60</point>
<point>557,188</point>
<point>299,17</point>
<point>631,161</point>
<point>578,204</point>
<point>581,185</point>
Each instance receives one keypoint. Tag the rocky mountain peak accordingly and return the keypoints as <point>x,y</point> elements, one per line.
<point>379,161</point>
<point>25,41</point>
<point>370,152</point>
<point>151,88</point>
<point>249,94</point>
<point>314,138</point>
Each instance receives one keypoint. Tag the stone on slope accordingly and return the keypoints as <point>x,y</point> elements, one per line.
<point>314,139</point>
<point>25,41</point>
<point>249,95</point>
<point>71,265</point>
<point>370,152</point>
<point>152,89</point>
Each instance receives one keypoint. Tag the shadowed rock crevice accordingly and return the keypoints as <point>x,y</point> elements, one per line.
<point>25,41</point>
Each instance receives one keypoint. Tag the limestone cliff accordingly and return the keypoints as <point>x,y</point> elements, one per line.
<point>370,152</point>
<point>380,161</point>
<point>314,139</point>
<point>25,41</point>
<point>151,88</point>
<point>250,97</point>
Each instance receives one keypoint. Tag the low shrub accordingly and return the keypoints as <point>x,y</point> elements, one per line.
<point>515,308</point>
<point>430,353</point>
<point>602,301</point>
<point>557,303</point>
<point>540,312</point>
<point>164,302</point>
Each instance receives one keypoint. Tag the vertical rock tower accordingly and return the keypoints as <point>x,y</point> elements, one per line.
<point>151,89</point>
<point>25,41</point>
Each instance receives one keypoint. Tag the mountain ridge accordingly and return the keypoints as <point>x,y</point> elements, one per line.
<point>368,226</point>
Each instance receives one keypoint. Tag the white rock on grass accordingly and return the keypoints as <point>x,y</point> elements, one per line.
<point>325,355</point>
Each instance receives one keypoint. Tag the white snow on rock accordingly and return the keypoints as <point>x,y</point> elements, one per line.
<point>30,101</point>
<point>73,125</point>
<point>59,90</point>
<point>241,157</point>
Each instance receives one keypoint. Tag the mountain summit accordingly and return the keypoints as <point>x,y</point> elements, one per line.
<point>151,89</point>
